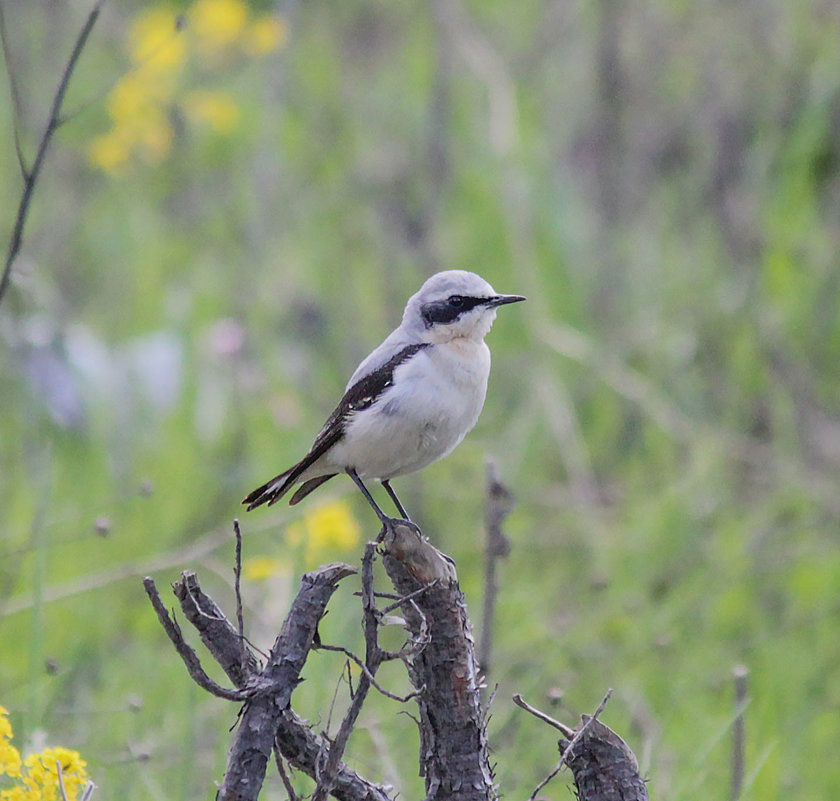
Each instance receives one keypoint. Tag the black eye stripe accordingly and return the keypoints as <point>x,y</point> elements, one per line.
<point>443,311</point>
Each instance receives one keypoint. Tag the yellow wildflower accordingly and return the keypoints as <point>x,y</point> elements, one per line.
<point>154,137</point>
<point>21,793</point>
<point>135,96</point>
<point>216,109</point>
<point>260,568</point>
<point>264,35</point>
<point>109,152</point>
<point>42,773</point>
<point>38,774</point>
<point>155,41</point>
<point>331,527</point>
<point>217,24</point>
<point>9,755</point>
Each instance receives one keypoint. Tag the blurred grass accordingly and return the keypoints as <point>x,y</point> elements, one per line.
<point>661,179</point>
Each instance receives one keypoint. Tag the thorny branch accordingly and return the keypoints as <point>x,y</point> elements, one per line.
<point>31,174</point>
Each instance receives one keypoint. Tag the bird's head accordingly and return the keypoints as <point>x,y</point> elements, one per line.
<point>454,303</point>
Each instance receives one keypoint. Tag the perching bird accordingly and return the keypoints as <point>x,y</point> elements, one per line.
<point>412,400</point>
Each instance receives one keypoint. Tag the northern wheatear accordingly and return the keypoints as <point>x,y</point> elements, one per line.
<point>412,400</point>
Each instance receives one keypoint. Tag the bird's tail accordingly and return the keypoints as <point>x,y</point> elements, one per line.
<point>272,491</point>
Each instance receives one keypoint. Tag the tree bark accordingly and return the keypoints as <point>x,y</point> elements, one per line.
<point>453,737</point>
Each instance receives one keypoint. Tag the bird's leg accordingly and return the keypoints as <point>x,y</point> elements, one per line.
<point>383,518</point>
<point>400,508</point>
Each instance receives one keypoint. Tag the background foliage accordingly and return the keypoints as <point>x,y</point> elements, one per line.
<point>660,178</point>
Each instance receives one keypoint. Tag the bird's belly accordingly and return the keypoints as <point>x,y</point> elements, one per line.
<point>408,433</point>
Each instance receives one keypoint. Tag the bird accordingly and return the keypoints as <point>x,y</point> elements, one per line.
<point>411,401</point>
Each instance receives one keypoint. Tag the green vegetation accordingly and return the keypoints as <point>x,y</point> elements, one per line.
<point>661,179</point>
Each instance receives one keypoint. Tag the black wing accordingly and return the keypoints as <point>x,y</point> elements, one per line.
<point>363,394</point>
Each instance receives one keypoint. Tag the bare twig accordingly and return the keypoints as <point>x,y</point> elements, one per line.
<point>237,584</point>
<point>364,668</point>
<point>739,674</point>
<point>567,731</point>
<point>284,777</point>
<point>30,176</point>
<point>60,774</point>
<point>87,793</point>
<point>373,658</point>
<point>572,743</point>
<point>191,660</point>
<point>498,505</point>
<point>17,104</point>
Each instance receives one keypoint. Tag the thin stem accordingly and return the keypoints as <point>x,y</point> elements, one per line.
<point>30,176</point>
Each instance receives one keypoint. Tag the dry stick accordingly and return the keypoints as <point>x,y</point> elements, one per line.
<point>60,774</point>
<point>186,653</point>
<point>294,739</point>
<point>403,699</point>
<point>284,777</point>
<point>271,690</point>
<point>567,731</point>
<point>17,104</point>
<point>237,579</point>
<point>572,743</point>
<point>739,674</point>
<point>498,505</point>
<point>30,176</point>
<point>87,793</point>
<point>373,658</point>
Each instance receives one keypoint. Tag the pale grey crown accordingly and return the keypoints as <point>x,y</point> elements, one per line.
<point>440,287</point>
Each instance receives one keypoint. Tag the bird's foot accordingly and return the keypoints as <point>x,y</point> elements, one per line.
<point>389,525</point>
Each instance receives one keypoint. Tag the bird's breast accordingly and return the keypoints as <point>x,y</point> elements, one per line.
<point>434,400</point>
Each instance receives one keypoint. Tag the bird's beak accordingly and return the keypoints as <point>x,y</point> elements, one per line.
<point>501,300</point>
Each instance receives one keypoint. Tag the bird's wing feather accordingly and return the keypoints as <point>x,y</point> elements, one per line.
<point>393,345</point>
<point>361,395</point>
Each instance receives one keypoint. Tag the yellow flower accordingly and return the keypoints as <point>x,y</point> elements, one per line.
<point>329,528</point>
<point>135,97</point>
<point>155,41</point>
<point>9,760</point>
<point>9,755</point>
<point>216,109</point>
<point>154,137</point>
<point>260,568</point>
<point>217,24</point>
<point>109,152</point>
<point>21,793</point>
<point>264,35</point>
<point>42,773</point>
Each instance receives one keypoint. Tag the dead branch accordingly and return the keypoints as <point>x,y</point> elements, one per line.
<point>191,660</point>
<point>441,662</point>
<point>31,174</point>
<point>294,739</point>
<point>603,766</point>
<point>499,502</point>
<point>271,689</point>
<point>373,659</point>
<point>453,739</point>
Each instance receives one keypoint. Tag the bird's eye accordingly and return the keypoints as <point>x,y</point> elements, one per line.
<point>456,301</point>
